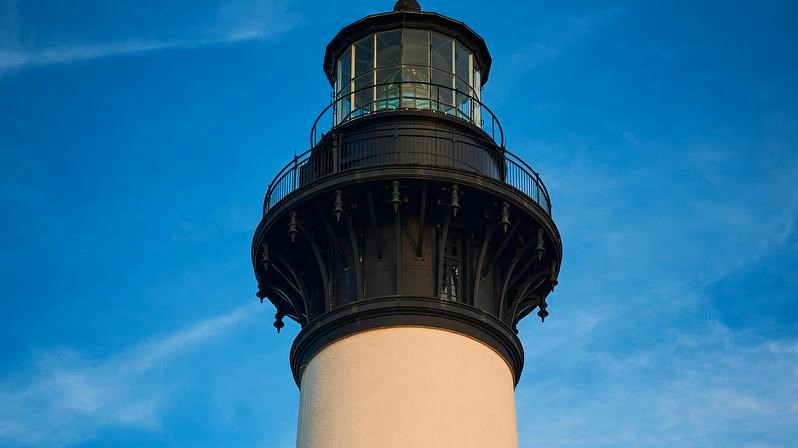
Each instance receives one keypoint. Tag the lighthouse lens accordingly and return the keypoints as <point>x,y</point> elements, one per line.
<point>410,69</point>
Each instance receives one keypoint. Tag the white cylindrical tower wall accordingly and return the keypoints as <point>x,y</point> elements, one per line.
<point>407,387</point>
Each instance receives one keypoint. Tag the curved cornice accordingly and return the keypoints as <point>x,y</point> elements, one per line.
<point>348,178</point>
<point>406,311</point>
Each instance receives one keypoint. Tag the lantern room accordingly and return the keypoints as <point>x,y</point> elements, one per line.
<point>407,60</point>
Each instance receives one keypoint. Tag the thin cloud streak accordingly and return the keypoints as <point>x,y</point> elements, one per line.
<point>10,60</point>
<point>69,399</point>
<point>236,22</point>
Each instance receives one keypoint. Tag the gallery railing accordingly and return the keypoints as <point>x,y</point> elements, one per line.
<point>410,147</point>
<point>408,95</point>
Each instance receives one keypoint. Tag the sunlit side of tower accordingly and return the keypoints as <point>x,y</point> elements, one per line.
<point>408,243</point>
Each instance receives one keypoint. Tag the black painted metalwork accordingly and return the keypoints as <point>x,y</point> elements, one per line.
<point>407,19</point>
<point>468,151</point>
<point>406,5</point>
<point>406,100</point>
<point>407,212</point>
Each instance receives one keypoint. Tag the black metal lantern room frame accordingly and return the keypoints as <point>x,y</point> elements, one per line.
<point>407,213</point>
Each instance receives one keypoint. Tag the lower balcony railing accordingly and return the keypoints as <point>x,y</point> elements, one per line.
<point>407,149</point>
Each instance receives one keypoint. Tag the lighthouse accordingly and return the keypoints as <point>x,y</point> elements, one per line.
<point>407,242</point>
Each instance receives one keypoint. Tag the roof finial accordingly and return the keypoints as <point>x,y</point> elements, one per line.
<point>407,5</point>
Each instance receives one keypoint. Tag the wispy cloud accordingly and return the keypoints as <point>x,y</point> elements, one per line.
<point>707,389</point>
<point>73,53</point>
<point>231,22</point>
<point>557,34</point>
<point>69,399</point>
<point>640,354</point>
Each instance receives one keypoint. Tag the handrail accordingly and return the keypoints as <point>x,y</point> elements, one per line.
<point>372,109</point>
<point>321,161</point>
<point>318,163</point>
<point>535,173</point>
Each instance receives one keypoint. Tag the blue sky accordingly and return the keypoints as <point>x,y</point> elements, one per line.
<point>137,139</point>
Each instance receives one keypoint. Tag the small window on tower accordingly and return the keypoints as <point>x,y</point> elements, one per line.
<point>451,282</point>
<point>452,278</point>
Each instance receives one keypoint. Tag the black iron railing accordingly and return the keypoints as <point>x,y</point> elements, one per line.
<point>413,148</point>
<point>408,95</point>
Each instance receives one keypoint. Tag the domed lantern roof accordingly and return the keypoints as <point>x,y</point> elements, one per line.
<point>407,14</point>
<point>407,5</point>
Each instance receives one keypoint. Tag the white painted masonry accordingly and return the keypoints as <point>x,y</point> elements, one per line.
<point>407,387</point>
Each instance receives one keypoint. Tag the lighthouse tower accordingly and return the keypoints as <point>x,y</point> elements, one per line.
<point>408,242</point>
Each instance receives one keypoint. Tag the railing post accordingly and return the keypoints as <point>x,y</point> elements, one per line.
<point>333,98</point>
<point>330,160</point>
<point>336,153</point>
<point>269,192</point>
<point>295,170</point>
<point>396,144</point>
<point>472,103</point>
<point>539,186</point>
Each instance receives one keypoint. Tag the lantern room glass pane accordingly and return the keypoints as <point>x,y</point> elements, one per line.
<point>415,47</point>
<point>389,48</point>
<point>345,72</point>
<point>389,71</point>
<point>407,69</point>
<point>415,69</point>
<point>364,76</point>
<point>343,95</point>
<point>416,88</point>
<point>463,72</point>
<point>478,95</point>
<point>388,87</point>
<point>441,61</point>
